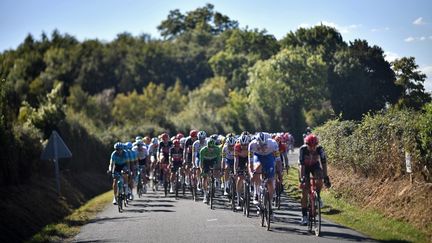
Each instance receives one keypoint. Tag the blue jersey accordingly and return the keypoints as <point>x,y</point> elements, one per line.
<point>119,159</point>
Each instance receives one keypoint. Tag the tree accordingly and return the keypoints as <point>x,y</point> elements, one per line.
<point>204,19</point>
<point>411,80</point>
<point>282,86</point>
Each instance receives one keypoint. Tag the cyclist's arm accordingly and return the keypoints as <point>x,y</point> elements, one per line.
<point>301,162</point>
<point>202,156</point>
<point>323,160</point>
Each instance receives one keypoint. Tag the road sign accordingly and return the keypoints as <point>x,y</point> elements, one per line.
<point>55,149</point>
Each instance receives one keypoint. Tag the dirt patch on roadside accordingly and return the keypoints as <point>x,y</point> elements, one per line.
<point>395,197</point>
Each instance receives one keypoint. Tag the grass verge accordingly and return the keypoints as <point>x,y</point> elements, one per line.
<point>70,225</point>
<point>366,221</point>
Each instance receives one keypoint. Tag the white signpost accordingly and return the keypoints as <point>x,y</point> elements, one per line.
<point>54,150</point>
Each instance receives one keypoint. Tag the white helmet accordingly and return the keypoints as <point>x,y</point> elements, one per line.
<point>231,141</point>
<point>261,138</point>
<point>244,139</point>
<point>202,135</point>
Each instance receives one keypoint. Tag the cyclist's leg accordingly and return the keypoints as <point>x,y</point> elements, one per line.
<point>257,179</point>
<point>304,198</point>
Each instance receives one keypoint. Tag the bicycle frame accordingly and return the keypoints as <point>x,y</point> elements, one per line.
<point>314,210</point>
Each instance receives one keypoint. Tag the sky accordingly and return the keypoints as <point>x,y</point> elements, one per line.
<point>400,28</point>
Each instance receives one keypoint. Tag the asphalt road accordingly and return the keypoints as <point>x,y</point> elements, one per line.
<point>154,218</point>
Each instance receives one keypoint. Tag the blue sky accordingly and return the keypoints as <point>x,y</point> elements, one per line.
<point>401,28</point>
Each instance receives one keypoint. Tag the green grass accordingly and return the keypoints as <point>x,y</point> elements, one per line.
<point>70,226</point>
<point>366,221</point>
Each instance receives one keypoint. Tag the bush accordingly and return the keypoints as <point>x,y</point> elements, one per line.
<point>377,146</point>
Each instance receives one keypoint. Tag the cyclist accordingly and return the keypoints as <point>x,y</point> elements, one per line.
<point>308,131</point>
<point>240,163</point>
<point>143,161</point>
<point>187,153</point>
<point>313,160</point>
<point>163,155</point>
<point>176,161</point>
<point>228,160</point>
<point>210,155</point>
<point>133,159</point>
<point>118,163</point>
<point>153,151</point>
<point>283,150</point>
<point>196,148</point>
<point>262,153</point>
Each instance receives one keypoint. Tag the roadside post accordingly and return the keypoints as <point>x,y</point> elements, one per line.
<point>408,165</point>
<point>54,150</point>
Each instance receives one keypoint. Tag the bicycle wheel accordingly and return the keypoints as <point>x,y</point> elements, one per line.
<point>247,199</point>
<point>261,209</point>
<point>212,187</point>
<point>278,195</point>
<point>268,209</point>
<point>139,186</point>
<point>317,218</point>
<point>310,212</point>
<point>233,194</point>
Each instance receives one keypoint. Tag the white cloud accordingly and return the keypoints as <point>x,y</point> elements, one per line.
<point>428,82</point>
<point>380,29</point>
<point>391,56</point>
<point>421,38</point>
<point>409,39</point>
<point>304,25</point>
<point>419,21</point>
<point>341,29</point>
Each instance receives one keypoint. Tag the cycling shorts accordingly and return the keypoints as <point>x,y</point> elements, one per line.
<point>229,162</point>
<point>175,166</point>
<point>119,168</point>
<point>267,164</point>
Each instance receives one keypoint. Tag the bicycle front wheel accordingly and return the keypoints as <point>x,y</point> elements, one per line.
<point>268,205</point>
<point>317,218</point>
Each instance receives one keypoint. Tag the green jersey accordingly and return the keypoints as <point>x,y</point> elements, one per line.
<point>207,155</point>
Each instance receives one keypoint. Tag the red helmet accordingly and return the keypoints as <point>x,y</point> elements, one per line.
<point>165,136</point>
<point>176,142</point>
<point>193,133</point>
<point>179,135</point>
<point>285,137</point>
<point>311,140</point>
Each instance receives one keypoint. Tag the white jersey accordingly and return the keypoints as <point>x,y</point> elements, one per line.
<point>141,152</point>
<point>197,146</point>
<point>226,153</point>
<point>272,147</point>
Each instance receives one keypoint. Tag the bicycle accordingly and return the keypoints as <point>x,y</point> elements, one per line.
<point>264,206</point>
<point>165,178</point>
<point>211,188</point>
<point>121,191</point>
<point>140,184</point>
<point>245,199</point>
<point>193,184</point>
<point>278,190</point>
<point>314,209</point>
<point>232,189</point>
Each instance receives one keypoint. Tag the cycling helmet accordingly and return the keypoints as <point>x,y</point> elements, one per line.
<point>176,142</point>
<point>193,133</point>
<point>128,145</point>
<point>118,145</point>
<point>147,139</point>
<point>154,140</point>
<point>311,140</point>
<point>261,138</point>
<point>202,135</point>
<point>211,143</point>
<point>137,138</point>
<point>244,139</point>
<point>140,143</point>
<point>164,136</point>
<point>308,130</point>
<point>179,135</point>
<point>231,141</point>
